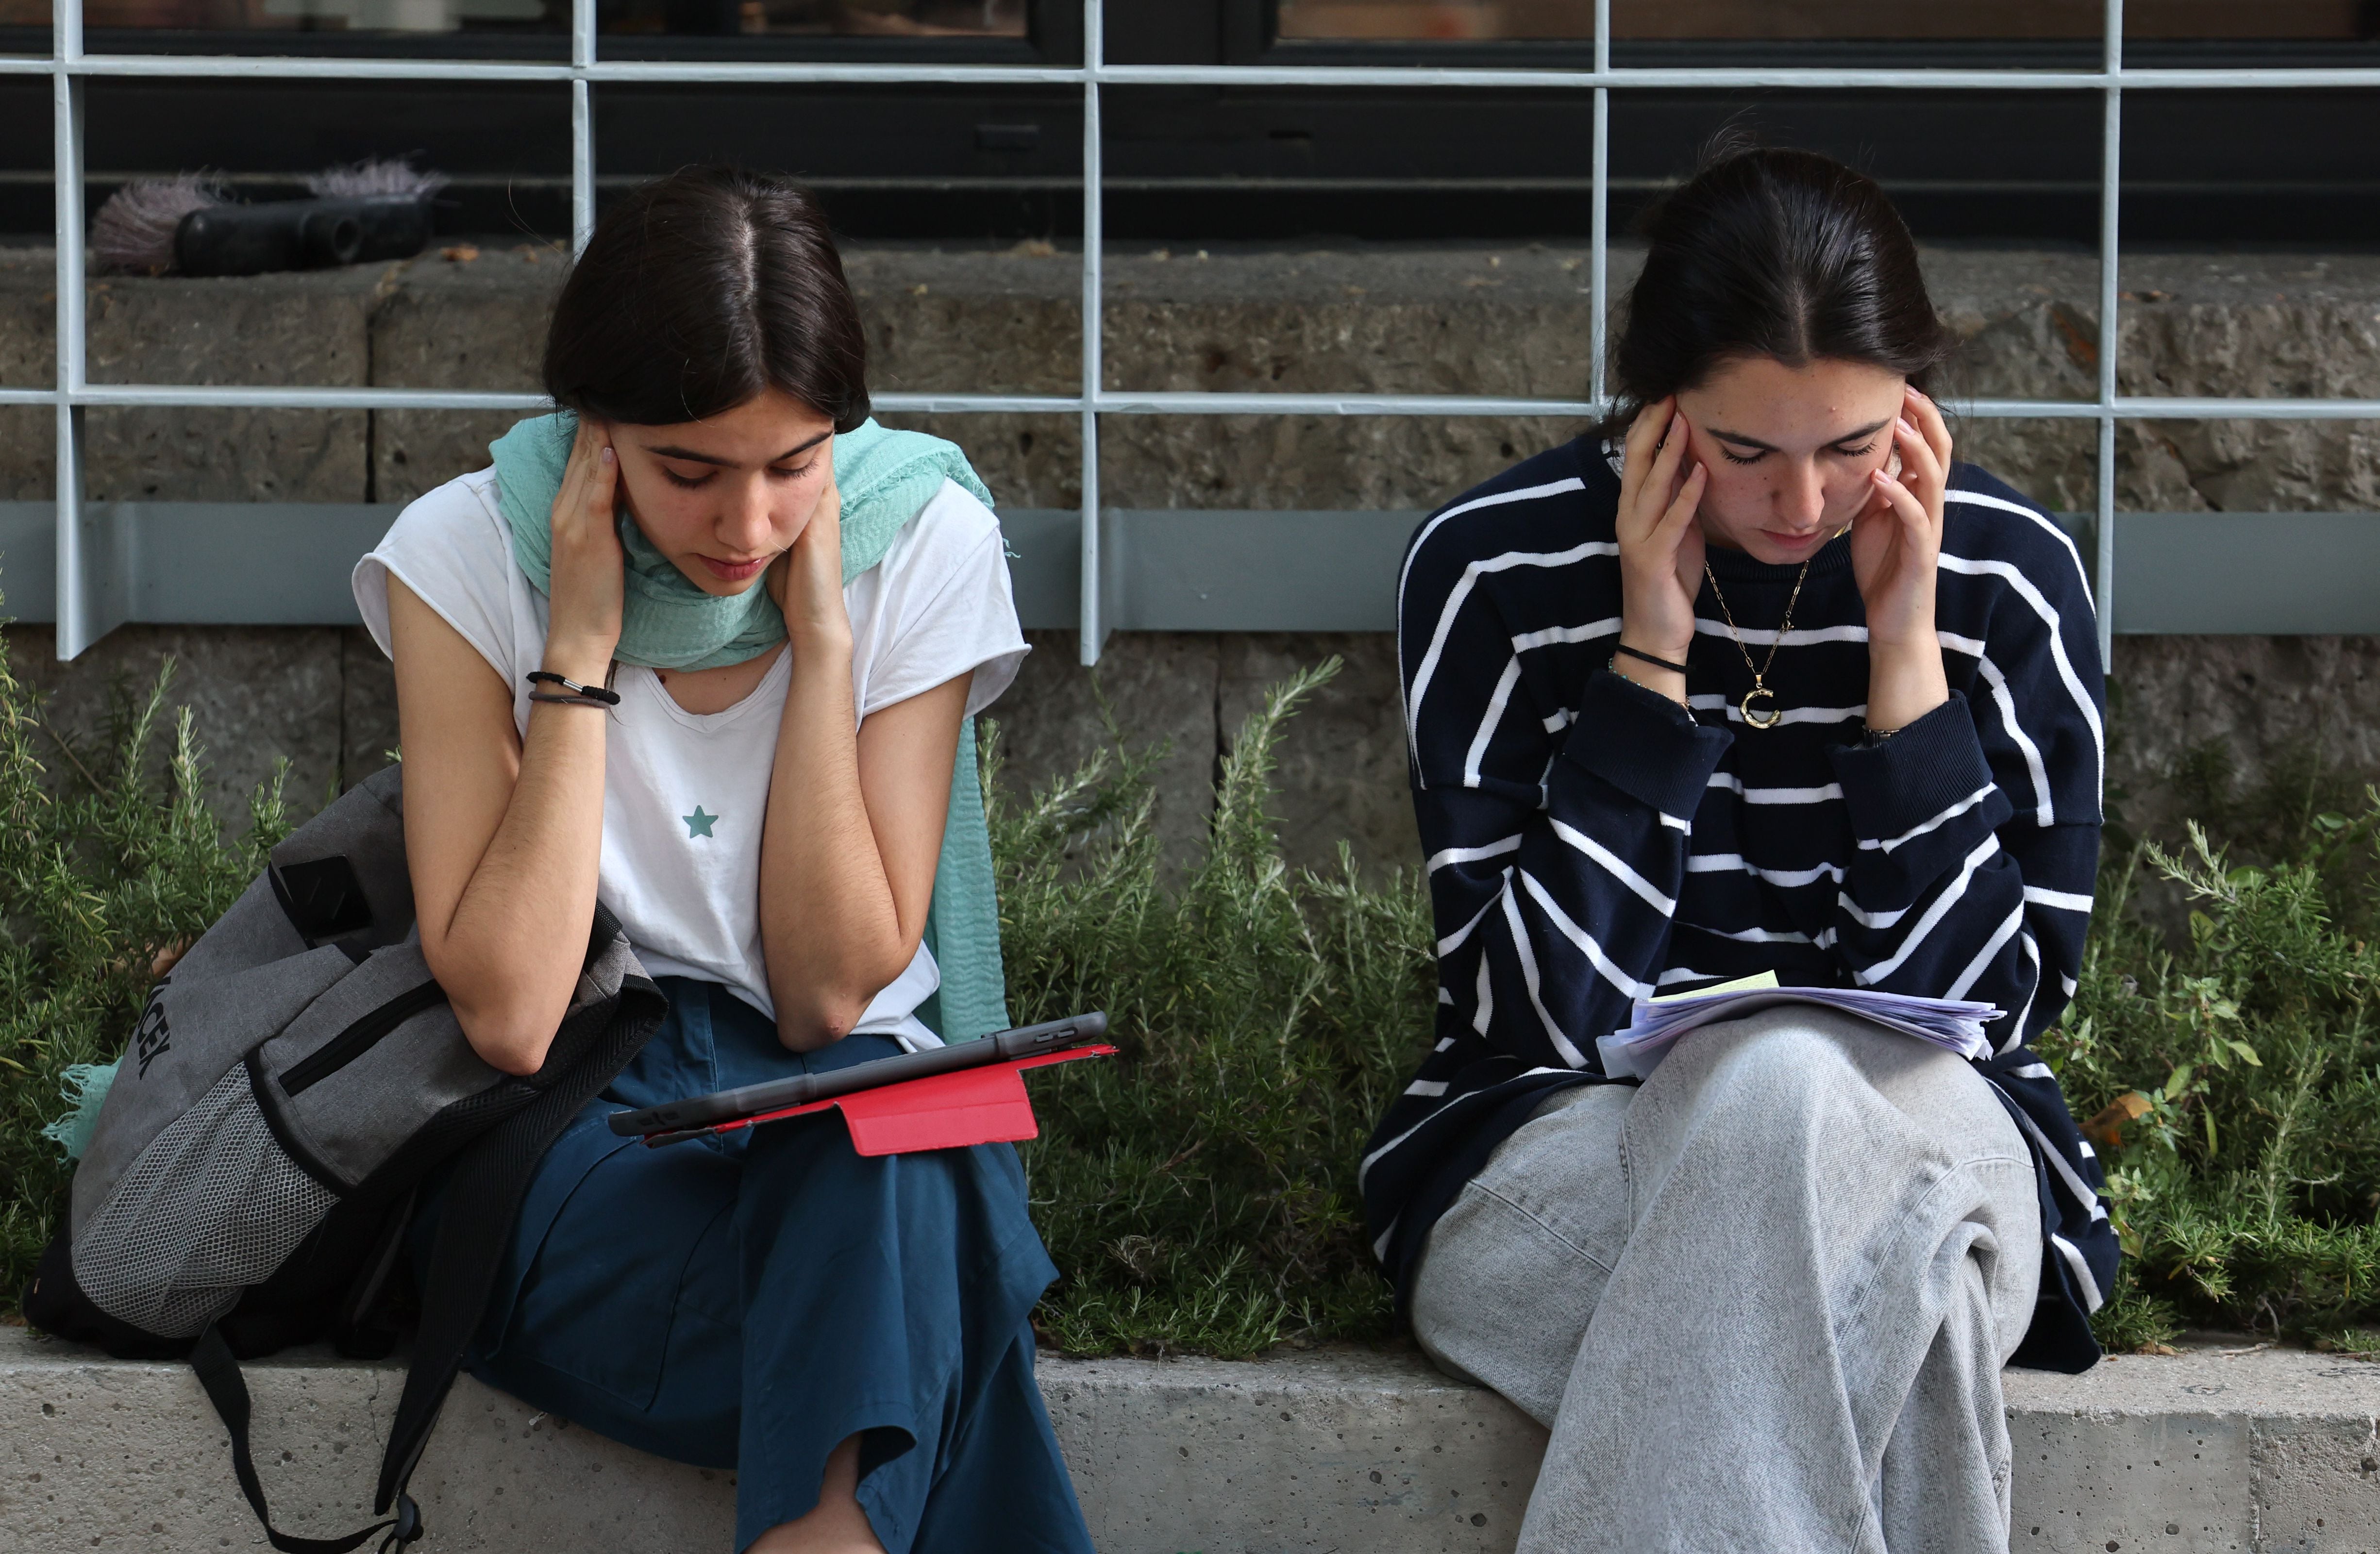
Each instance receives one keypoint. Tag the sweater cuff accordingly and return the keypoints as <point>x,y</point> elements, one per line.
<point>1644,745</point>
<point>1927,770</point>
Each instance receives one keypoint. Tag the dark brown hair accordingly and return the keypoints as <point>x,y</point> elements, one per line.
<point>1777,253</point>
<point>698,292</point>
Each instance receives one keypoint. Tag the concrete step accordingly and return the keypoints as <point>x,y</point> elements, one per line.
<point>2270,1452</point>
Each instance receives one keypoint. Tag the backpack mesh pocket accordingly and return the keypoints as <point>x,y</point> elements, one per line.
<point>213,1206</point>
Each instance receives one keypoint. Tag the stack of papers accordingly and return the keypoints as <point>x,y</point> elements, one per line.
<point>1954,1025</point>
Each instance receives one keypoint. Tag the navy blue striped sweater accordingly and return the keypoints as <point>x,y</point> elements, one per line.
<point>1589,841</point>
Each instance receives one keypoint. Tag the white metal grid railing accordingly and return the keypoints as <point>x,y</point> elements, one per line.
<point>69,68</point>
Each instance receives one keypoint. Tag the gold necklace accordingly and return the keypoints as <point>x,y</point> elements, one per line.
<point>1759,690</point>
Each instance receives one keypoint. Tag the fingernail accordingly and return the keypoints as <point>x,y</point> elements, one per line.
<point>1903,423</point>
<point>607,453</point>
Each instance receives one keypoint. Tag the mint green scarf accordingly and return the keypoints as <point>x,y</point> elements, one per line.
<point>885,478</point>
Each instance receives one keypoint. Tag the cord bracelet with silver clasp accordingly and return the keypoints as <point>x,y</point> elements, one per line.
<point>572,694</point>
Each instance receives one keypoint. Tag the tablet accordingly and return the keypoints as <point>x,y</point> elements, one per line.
<point>746,1100</point>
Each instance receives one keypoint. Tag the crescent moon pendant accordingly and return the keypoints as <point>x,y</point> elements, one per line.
<point>1769,717</point>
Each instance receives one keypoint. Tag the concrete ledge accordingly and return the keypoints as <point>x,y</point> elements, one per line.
<point>2273,1453</point>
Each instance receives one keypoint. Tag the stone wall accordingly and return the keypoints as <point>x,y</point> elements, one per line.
<point>1511,320</point>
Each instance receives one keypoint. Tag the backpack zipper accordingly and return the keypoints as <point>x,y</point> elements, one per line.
<point>359,1038</point>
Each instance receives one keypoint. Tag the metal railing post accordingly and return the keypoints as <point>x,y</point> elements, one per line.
<point>76,628</point>
<point>1598,294</point>
<point>2111,188</point>
<point>1093,625</point>
<point>582,125</point>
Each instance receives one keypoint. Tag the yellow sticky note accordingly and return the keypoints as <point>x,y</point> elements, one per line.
<point>1741,985</point>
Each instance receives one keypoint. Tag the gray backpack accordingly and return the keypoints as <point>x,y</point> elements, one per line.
<point>252,1170</point>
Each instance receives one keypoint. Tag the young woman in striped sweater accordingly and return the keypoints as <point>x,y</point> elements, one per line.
<point>1773,684</point>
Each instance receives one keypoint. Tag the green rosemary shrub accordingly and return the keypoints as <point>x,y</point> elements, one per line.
<point>1198,1191</point>
<point>2231,1075</point>
<point>104,870</point>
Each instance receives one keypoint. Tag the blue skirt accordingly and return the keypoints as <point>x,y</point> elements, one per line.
<point>752,1302</point>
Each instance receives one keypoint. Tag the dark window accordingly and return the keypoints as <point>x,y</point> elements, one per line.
<point>399,21</point>
<point>1463,21</point>
<point>1220,162</point>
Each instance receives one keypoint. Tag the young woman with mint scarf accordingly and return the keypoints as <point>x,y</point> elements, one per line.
<point>708,652</point>
<point>1770,685</point>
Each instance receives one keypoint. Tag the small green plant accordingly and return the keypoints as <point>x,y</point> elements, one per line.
<point>105,874</point>
<point>2355,1343</point>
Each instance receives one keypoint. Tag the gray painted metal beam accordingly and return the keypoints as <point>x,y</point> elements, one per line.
<point>196,563</point>
<point>1186,569</point>
<point>2255,573</point>
<point>1161,569</point>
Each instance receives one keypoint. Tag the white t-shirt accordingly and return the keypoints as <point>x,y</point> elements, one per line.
<point>685,793</point>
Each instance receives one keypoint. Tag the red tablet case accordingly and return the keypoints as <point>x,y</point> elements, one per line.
<point>985,1105</point>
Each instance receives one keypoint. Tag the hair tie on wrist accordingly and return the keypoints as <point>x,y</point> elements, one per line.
<point>576,693</point>
<point>1657,663</point>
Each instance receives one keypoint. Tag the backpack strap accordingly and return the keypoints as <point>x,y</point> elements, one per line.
<point>483,1199</point>
<point>227,1389</point>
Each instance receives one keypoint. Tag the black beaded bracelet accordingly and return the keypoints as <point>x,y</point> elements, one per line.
<point>1657,663</point>
<point>576,693</point>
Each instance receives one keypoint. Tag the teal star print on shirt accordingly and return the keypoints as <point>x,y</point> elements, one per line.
<point>698,823</point>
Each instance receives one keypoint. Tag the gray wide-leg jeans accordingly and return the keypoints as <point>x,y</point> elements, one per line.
<point>1762,1302</point>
